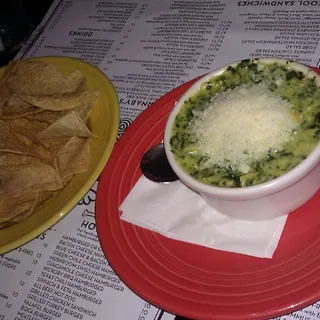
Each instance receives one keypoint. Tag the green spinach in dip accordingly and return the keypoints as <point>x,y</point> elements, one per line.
<point>299,90</point>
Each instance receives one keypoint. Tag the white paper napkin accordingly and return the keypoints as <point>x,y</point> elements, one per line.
<point>177,212</point>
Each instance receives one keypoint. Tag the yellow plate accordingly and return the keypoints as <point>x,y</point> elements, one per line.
<point>104,123</point>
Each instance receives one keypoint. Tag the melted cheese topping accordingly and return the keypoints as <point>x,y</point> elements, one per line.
<point>239,126</point>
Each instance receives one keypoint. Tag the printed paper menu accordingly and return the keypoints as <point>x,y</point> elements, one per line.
<point>146,48</point>
<point>63,274</point>
<point>149,47</point>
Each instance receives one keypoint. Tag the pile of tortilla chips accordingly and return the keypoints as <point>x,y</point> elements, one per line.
<point>44,139</point>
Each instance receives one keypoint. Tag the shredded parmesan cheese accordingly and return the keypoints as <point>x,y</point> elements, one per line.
<point>241,125</point>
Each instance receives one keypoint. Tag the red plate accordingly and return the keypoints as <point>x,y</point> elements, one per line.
<point>191,280</point>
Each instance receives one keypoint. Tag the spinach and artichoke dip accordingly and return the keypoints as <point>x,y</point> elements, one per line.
<point>251,124</point>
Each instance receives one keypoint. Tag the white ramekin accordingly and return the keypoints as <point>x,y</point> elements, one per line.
<point>264,201</point>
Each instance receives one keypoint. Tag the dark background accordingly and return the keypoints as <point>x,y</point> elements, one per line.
<point>18,18</point>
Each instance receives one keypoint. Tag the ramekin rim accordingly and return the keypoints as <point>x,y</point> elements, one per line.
<point>266,188</point>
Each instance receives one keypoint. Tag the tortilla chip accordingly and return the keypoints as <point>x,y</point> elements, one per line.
<point>26,127</point>
<point>13,143</point>
<point>20,184</point>
<point>44,139</point>
<point>55,144</point>
<point>26,130</point>
<point>90,99</point>
<point>46,116</point>
<point>4,92</point>
<point>39,78</point>
<point>69,125</point>
<point>16,112</point>
<point>57,102</point>
<point>12,159</point>
<point>39,200</point>
<point>17,108</point>
<point>74,157</point>
<point>73,82</point>
<point>33,177</point>
<point>17,205</point>
<point>16,101</point>
<point>24,209</point>
<point>42,198</point>
<point>25,214</point>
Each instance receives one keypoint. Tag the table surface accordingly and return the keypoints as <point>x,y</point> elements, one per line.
<point>136,50</point>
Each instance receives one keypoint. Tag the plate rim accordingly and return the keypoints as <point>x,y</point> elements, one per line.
<point>100,212</point>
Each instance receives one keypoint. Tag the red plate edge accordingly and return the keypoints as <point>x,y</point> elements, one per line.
<point>104,223</point>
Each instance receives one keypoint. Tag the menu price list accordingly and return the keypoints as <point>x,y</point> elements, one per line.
<point>95,28</point>
<point>23,262</point>
<point>311,312</point>
<point>149,47</point>
<point>165,44</point>
<point>75,271</point>
<point>146,48</point>
<point>63,274</point>
<point>294,32</point>
<point>172,42</point>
